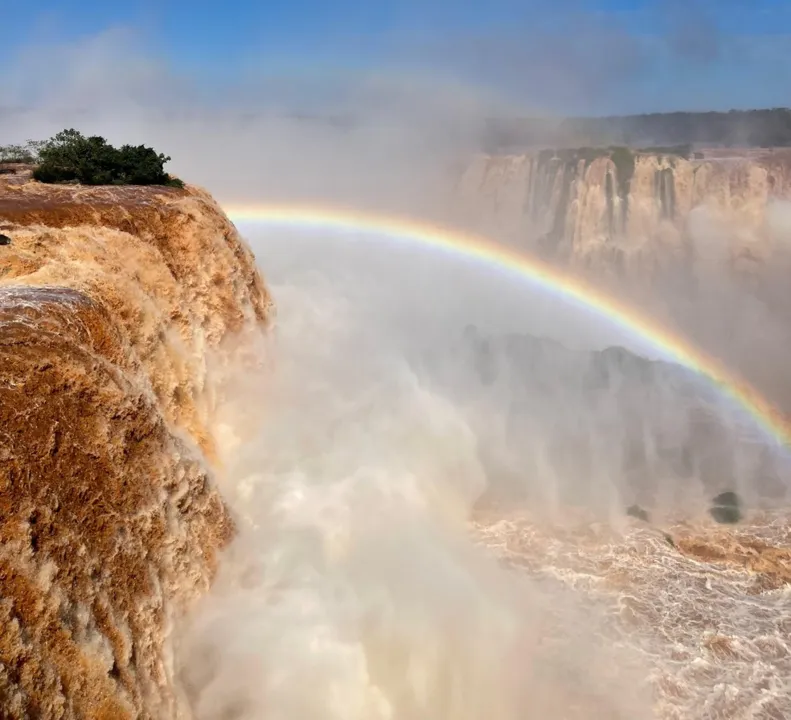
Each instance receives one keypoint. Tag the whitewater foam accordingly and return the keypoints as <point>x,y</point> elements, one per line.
<point>368,582</point>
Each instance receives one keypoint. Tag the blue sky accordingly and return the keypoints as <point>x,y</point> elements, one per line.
<point>566,55</point>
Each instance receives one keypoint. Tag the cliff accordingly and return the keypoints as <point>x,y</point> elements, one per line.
<point>615,207</point>
<point>608,426</point>
<point>113,302</point>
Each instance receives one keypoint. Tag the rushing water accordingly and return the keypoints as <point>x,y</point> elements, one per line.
<point>411,547</point>
<point>711,617</point>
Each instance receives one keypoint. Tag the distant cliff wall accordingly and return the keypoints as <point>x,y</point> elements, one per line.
<point>604,428</point>
<point>615,207</point>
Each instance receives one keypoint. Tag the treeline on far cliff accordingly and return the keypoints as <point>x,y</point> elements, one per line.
<point>71,157</point>
<point>737,128</point>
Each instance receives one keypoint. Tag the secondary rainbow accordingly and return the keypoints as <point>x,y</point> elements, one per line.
<point>507,259</point>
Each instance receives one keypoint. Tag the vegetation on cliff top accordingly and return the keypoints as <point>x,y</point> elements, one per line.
<point>622,157</point>
<point>70,157</point>
<point>737,128</point>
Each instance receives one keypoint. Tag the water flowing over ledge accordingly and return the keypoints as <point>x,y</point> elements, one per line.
<point>119,309</point>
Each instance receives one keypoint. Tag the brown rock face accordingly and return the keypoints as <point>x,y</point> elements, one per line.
<point>701,244</point>
<point>111,301</point>
<point>612,208</point>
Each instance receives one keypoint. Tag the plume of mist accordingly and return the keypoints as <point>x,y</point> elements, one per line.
<point>778,220</point>
<point>378,140</point>
<point>354,589</point>
<point>737,315</point>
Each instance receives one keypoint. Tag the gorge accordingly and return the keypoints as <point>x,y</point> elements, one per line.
<point>386,540</point>
<point>612,206</point>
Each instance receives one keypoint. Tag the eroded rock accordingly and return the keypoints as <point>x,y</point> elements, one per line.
<point>110,516</point>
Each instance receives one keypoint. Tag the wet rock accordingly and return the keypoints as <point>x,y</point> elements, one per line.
<point>636,511</point>
<point>727,498</point>
<point>726,508</point>
<point>110,524</point>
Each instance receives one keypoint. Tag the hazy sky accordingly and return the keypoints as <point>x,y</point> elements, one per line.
<point>594,56</point>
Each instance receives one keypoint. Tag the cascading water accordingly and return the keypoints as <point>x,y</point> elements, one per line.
<point>371,576</point>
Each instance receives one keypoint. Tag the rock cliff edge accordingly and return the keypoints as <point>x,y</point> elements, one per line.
<point>113,303</point>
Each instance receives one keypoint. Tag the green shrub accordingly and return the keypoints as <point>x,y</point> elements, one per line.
<point>71,157</point>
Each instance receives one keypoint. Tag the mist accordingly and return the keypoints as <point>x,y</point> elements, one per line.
<point>359,585</point>
<point>373,468</point>
<point>354,589</point>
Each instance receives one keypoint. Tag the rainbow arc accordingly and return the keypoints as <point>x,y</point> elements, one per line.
<point>427,235</point>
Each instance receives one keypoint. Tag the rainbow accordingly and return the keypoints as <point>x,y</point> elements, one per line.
<point>462,244</point>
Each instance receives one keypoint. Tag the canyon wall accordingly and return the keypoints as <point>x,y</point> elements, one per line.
<point>699,241</point>
<point>583,427</point>
<point>113,304</point>
<point>615,208</point>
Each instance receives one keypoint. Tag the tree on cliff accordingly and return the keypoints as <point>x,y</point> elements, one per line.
<point>69,156</point>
